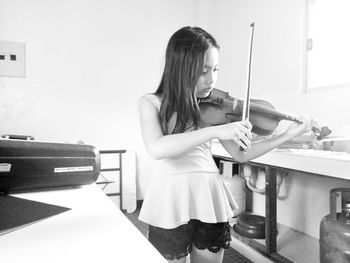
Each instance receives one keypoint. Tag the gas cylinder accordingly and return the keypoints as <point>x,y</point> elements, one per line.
<point>335,229</point>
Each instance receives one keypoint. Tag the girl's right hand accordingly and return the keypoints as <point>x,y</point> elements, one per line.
<point>240,132</point>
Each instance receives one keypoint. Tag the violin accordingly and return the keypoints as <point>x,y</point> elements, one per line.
<point>220,108</point>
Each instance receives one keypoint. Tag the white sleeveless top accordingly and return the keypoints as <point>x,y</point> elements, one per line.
<point>186,187</point>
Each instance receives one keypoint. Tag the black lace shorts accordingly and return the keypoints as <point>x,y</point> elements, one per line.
<point>177,243</point>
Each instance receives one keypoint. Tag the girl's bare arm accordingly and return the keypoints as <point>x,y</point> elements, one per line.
<point>166,146</point>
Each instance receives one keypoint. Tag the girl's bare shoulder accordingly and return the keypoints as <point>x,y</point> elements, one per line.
<point>150,98</point>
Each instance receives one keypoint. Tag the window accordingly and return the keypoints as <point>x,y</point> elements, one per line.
<point>328,44</point>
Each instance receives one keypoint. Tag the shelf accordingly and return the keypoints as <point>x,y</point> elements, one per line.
<point>118,191</point>
<point>110,169</point>
<point>292,245</point>
<point>307,161</point>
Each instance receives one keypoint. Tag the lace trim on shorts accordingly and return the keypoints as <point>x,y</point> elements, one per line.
<point>172,243</point>
<point>177,243</point>
<point>213,237</point>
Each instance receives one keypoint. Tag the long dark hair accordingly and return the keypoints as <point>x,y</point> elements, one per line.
<point>184,64</point>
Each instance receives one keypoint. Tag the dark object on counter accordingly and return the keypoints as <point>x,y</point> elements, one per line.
<point>17,212</point>
<point>325,131</point>
<point>335,229</point>
<point>251,226</point>
<point>17,137</point>
<point>30,165</point>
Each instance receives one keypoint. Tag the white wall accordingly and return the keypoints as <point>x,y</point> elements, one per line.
<point>277,76</point>
<point>88,62</point>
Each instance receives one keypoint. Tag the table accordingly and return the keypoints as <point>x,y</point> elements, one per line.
<point>307,161</point>
<point>94,230</point>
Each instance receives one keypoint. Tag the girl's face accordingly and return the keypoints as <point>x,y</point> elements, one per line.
<point>207,80</point>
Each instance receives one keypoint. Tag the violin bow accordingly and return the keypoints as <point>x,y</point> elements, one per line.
<point>246,103</point>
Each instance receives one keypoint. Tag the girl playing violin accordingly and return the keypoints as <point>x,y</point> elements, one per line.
<point>187,205</point>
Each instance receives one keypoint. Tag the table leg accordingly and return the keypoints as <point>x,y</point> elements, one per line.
<point>271,210</point>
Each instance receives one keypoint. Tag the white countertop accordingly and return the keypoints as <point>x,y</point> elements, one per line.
<point>333,164</point>
<point>94,230</point>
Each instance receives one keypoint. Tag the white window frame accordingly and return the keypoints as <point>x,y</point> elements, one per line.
<point>315,64</point>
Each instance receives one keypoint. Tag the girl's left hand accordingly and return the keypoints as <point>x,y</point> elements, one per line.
<point>307,122</point>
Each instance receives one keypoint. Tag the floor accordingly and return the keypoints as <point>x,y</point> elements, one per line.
<point>230,254</point>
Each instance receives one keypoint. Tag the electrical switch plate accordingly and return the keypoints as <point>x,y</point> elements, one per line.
<point>12,59</point>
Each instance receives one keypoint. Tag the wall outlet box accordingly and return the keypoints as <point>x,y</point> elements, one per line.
<point>12,59</point>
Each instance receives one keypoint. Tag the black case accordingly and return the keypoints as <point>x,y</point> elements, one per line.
<point>31,165</point>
